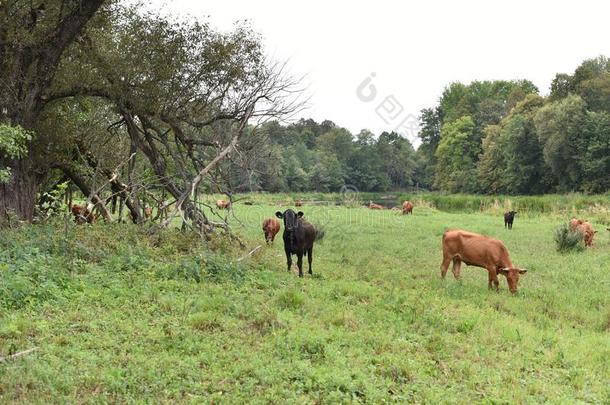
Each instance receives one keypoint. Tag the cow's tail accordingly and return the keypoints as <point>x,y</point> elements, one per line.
<point>320,232</point>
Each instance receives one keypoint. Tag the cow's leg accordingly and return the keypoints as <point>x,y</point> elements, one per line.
<point>300,263</point>
<point>493,279</point>
<point>457,265</point>
<point>288,260</point>
<point>445,265</point>
<point>310,258</point>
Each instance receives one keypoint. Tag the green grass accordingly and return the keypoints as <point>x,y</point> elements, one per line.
<point>119,314</point>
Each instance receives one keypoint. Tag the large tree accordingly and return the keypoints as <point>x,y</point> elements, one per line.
<point>33,37</point>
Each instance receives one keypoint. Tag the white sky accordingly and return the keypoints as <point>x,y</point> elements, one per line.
<point>414,48</point>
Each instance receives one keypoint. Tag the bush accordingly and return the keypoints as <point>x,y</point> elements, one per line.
<point>210,266</point>
<point>567,240</point>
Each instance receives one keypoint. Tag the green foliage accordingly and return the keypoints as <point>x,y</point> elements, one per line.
<point>595,158</point>
<point>530,145</point>
<point>323,157</point>
<point>558,125</point>
<point>13,145</point>
<point>567,240</point>
<point>512,160</point>
<point>456,156</point>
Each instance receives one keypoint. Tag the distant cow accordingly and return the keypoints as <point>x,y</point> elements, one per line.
<point>374,206</point>
<point>82,214</point>
<point>147,212</point>
<point>271,227</point>
<point>509,217</point>
<point>585,228</point>
<point>407,208</point>
<point>298,203</point>
<point>299,236</point>
<point>223,205</point>
<point>481,251</point>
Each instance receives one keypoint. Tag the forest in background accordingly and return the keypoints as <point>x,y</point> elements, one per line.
<point>490,137</point>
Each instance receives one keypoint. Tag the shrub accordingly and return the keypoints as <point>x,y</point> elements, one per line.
<point>567,240</point>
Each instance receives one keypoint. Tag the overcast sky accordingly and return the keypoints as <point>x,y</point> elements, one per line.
<point>414,49</point>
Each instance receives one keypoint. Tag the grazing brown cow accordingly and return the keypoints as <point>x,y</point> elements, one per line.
<point>82,214</point>
<point>223,205</point>
<point>585,228</point>
<point>298,203</point>
<point>271,227</point>
<point>407,208</point>
<point>481,251</point>
<point>374,206</point>
<point>147,212</point>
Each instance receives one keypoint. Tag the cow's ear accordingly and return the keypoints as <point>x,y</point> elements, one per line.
<point>522,271</point>
<point>300,214</point>
<point>279,214</point>
<point>503,271</point>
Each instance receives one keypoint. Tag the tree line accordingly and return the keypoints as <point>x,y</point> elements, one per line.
<point>491,137</point>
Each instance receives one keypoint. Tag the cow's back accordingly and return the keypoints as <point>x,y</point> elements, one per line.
<point>475,249</point>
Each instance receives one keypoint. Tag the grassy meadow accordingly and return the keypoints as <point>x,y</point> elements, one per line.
<point>123,314</point>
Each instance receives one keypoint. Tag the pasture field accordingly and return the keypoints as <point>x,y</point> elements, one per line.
<point>122,314</point>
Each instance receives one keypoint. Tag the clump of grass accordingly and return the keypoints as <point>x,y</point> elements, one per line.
<point>205,322</point>
<point>290,299</point>
<point>567,240</point>
<point>266,320</point>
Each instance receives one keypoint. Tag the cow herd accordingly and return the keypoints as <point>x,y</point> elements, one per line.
<point>458,246</point>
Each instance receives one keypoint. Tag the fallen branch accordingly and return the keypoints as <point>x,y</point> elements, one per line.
<point>14,356</point>
<point>250,253</point>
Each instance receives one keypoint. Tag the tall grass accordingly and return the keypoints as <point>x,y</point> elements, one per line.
<point>560,204</point>
<point>542,204</point>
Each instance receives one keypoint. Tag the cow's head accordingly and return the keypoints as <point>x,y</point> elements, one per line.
<point>291,219</point>
<point>512,277</point>
<point>512,213</point>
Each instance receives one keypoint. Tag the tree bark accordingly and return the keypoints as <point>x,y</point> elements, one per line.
<point>18,196</point>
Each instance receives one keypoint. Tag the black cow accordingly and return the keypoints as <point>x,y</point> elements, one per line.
<point>298,236</point>
<point>509,217</point>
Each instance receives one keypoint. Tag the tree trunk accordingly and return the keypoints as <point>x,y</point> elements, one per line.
<point>18,196</point>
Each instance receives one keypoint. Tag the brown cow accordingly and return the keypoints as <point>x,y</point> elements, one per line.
<point>223,205</point>
<point>575,223</point>
<point>271,227</point>
<point>584,228</point>
<point>298,203</point>
<point>481,251</point>
<point>407,208</point>
<point>374,206</point>
<point>147,212</point>
<point>82,214</point>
